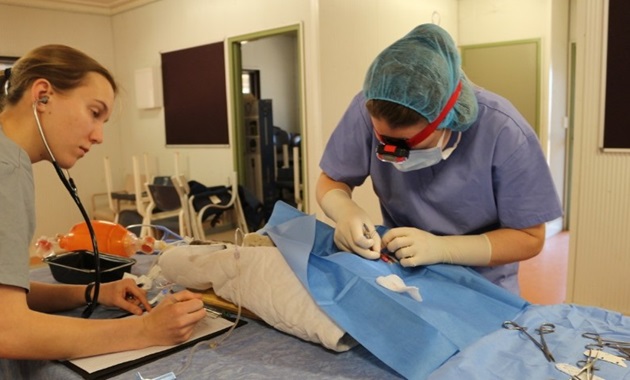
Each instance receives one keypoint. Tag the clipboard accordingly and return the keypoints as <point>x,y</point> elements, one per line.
<point>210,298</point>
<point>94,368</point>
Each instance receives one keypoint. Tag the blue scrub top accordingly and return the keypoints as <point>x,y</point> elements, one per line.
<point>497,177</point>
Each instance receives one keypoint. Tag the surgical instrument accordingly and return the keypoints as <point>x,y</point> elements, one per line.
<point>587,367</point>
<point>386,256</point>
<point>597,351</point>
<point>622,347</point>
<point>543,329</point>
<point>166,376</point>
<point>575,372</point>
<point>366,231</point>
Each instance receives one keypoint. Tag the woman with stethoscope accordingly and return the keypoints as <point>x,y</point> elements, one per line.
<point>53,104</point>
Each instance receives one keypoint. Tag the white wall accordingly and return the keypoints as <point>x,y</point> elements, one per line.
<point>169,25</point>
<point>600,209</point>
<point>488,21</point>
<point>22,29</point>
<point>558,97</point>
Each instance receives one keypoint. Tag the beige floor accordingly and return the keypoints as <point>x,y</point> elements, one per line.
<point>543,279</point>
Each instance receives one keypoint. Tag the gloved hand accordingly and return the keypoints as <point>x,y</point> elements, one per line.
<point>352,225</point>
<point>414,247</point>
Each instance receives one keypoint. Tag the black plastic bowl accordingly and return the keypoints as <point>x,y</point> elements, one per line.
<point>77,267</point>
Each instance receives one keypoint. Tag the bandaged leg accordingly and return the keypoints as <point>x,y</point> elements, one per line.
<point>263,281</point>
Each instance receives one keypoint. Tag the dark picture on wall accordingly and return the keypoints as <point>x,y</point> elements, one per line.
<point>195,100</point>
<point>616,131</point>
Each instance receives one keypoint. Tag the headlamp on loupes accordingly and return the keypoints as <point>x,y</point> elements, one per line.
<point>391,149</point>
<point>397,150</point>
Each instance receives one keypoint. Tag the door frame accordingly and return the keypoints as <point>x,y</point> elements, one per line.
<point>235,67</point>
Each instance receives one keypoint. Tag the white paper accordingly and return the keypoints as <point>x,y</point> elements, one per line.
<point>396,284</point>
<point>93,364</point>
<point>573,371</point>
<point>605,356</point>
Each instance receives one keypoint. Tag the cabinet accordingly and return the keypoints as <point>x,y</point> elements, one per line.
<point>259,148</point>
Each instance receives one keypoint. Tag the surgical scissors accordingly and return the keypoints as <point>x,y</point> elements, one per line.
<point>543,329</point>
<point>621,346</point>
<point>587,367</point>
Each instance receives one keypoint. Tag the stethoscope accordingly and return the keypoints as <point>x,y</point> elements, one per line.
<point>72,189</point>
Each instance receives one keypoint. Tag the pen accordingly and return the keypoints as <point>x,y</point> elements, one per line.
<point>212,313</point>
<point>161,295</point>
<point>217,312</point>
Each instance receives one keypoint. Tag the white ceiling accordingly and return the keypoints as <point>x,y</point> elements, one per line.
<point>106,7</point>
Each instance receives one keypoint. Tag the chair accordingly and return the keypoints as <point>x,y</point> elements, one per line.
<point>282,142</point>
<point>183,191</point>
<point>118,201</point>
<point>140,193</point>
<point>165,208</point>
<point>108,213</point>
<point>206,202</point>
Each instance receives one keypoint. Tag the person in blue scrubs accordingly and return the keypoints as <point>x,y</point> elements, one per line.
<point>459,173</point>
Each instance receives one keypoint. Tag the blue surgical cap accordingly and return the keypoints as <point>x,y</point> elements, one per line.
<point>420,71</point>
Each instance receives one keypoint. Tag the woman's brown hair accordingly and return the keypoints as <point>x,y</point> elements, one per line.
<point>396,115</point>
<point>64,67</point>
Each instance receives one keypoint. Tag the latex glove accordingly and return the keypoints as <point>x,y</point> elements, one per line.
<point>352,225</point>
<point>414,247</point>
